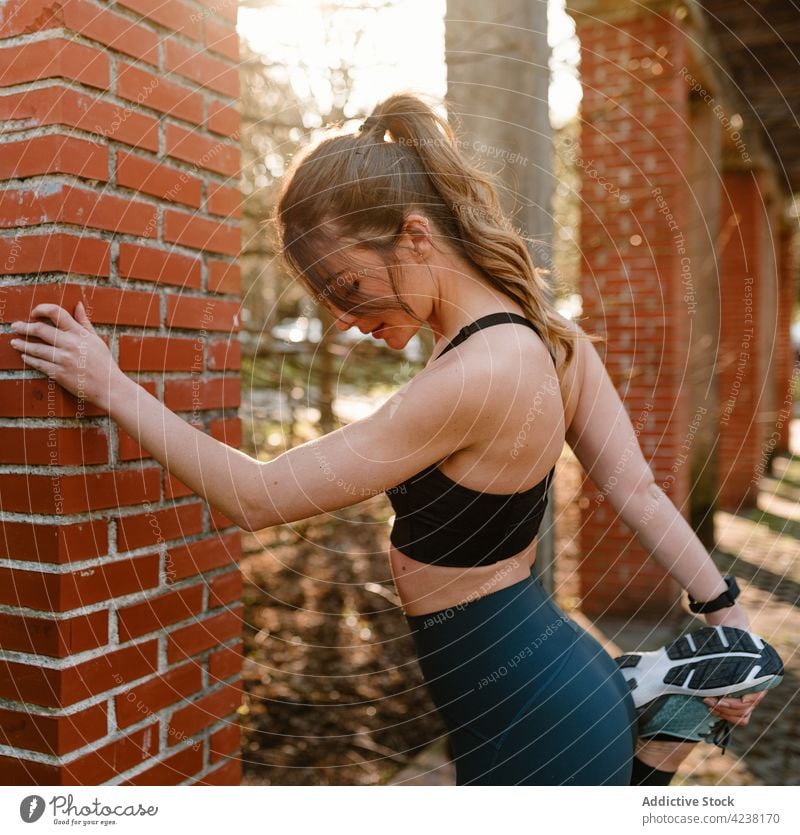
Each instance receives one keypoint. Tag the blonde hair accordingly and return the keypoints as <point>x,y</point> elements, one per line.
<point>358,188</point>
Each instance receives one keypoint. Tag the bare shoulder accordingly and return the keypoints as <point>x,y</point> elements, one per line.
<point>499,373</point>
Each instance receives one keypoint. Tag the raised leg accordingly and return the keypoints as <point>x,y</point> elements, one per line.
<point>657,760</point>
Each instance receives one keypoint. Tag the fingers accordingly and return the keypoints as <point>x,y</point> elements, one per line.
<point>40,364</point>
<point>57,314</point>
<point>39,350</point>
<point>82,317</point>
<point>40,330</point>
<point>736,711</point>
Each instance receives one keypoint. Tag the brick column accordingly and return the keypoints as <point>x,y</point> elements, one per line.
<point>741,362</point>
<point>120,615</point>
<point>786,370</point>
<point>634,154</point>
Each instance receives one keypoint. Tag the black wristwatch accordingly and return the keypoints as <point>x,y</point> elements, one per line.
<point>724,601</point>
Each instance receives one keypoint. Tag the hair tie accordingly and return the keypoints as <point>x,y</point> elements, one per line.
<point>369,123</point>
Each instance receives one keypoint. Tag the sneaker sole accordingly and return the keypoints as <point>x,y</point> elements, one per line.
<point>711,661</point>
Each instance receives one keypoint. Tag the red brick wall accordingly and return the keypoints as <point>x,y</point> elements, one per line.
<point>120,614</point>
<point>634,139</point>
<point>742,363</point>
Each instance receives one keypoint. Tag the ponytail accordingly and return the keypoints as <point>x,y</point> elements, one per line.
<point>362,187</point>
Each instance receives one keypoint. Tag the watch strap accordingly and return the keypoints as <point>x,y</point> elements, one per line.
<point>722,601</point>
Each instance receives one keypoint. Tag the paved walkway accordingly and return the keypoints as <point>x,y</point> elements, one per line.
<point>762,548</point>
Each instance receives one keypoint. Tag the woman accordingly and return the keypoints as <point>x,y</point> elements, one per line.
<point>391,235</point>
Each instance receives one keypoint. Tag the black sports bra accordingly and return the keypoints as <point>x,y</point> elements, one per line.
<point>441,522</point>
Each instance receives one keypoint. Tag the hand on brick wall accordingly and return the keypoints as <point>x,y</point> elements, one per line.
<point>71,352</point>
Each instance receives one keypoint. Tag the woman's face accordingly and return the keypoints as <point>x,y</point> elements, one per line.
<point>368,277</point>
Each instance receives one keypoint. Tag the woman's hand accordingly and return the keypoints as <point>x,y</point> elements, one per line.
<point>736,711</point>
<point>71,352</point>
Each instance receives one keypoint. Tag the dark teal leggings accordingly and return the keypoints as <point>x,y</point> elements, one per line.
<point>529,698</point>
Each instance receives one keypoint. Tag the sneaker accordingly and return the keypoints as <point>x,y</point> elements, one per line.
<point>668,685</point>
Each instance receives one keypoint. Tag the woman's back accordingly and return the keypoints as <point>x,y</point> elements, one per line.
<point>512,449</point>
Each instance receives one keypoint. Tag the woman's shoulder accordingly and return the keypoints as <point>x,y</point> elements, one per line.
<point>569,373</point>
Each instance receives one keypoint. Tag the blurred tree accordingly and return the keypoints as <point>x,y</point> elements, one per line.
<point>287,103</point>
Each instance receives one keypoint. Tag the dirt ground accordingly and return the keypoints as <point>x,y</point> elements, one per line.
<point>333,694</point>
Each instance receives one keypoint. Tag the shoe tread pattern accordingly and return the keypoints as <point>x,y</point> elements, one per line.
<point>707,641</point>
<point>722,672</point>
<point>629,660</point>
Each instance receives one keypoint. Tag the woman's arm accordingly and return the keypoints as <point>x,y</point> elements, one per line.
<point>225,477</point>
<point>603,439</point>
<point>430,417</point>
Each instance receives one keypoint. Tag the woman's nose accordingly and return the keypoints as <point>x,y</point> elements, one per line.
<point>345,321</point>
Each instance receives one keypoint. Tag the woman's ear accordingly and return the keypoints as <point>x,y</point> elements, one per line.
<point>416,235</point>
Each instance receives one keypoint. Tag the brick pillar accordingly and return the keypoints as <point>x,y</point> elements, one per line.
<point>635,150</point>
<point>741,361</point>
<point>784,360</point>
<point>120,615</point>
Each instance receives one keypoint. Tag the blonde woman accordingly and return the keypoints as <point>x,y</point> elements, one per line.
<point>392,228</point>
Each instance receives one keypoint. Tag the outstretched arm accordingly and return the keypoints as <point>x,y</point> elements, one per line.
<point>430,417</point>
<point>603,439</point>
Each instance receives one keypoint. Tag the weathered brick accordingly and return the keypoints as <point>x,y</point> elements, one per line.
<point>203,634</point>
<point>56,638</point>
<point>62,687</point>
<point>64,203</point>
<point>217,393</point>
<point>152,177</point>
<point>54,154</point>
<point>210,153</point>
<point>143,530</point>
<point>20,17</point>
<point>55,58</point>
<point>56,735</point>
<point>51,543</point>
<point>64,591</point>
<point>56,446</point>
<point>60,105</point>
<point>158,93</point>
<point>172,14</point>
<point>54,252</point>
<point>146,698</point>
<point>197,557</point>
<point>224,277</point>
<point>157,613</point>
<point>197,65</point>
<point>204,711</point>
<point>164,267</point>
<point>213,314</point>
